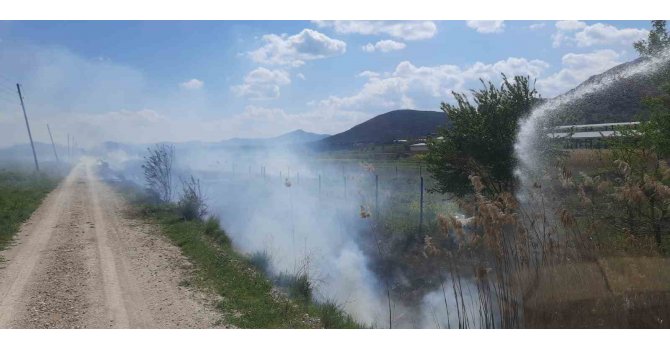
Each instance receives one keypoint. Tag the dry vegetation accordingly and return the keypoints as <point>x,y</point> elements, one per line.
<point>581,251</point>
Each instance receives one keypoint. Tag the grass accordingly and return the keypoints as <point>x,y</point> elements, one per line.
<point>248,297</point>
<point>20,194</point>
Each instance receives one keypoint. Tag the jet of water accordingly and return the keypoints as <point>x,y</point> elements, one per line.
<point>527,146</point>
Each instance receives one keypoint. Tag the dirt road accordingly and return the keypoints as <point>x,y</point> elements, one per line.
<point>81,262</point>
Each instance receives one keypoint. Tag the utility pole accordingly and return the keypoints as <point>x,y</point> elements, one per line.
<point>68,147</point>
<point>30,135</point>
<point>53,145</point>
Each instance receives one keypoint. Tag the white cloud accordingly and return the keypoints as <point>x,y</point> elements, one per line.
<point>487,27</point>
<point>300,76</point>
<point>406,30</point>
<point>537,26</point>
<point>193,84</point>
<point>409,86</point>
<point>368,74</point>
<point>570,25</point>
<point>384,46</point>
<point>598,34</point>
<point>576,69</point>
<point>262,83</point>
<point>294,50</point>
<point>257,121</point>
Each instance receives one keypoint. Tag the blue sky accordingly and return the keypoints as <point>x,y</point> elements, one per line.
<point>178,81</point>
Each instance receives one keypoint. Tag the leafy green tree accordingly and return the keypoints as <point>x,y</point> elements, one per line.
<point>657,42</point>
<point>479,137</point>
<point>658,132</point>
<point>640,152</point>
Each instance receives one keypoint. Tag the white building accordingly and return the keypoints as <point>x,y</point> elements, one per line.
<point>419,147</point>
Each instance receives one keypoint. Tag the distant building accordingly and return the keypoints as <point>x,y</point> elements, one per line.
<point>419,147</point>
<point>399,141</point>
<point>588,135</point>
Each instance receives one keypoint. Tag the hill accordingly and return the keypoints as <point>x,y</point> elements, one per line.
<point>291,138</point>
<point>621,102</point>
<point>384,128</point>
<point>23,152</point>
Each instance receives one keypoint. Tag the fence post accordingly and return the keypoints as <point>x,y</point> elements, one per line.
<point>377,194</point>
<point>421,209</point>
<point>345,187</point>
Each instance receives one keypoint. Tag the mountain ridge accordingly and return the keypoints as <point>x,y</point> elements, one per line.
<point>389,126</point>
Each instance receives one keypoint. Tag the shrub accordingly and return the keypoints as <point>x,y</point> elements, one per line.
<point>301,287</point>
<point>191,205</point>
<point>158,171</point>
<point>480,136</point>
<point>260,260</point>
<point>212,225</point>
<point>298,286</point>
<point>332,316</point>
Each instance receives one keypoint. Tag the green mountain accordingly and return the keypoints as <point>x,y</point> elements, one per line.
<point>384,128</point>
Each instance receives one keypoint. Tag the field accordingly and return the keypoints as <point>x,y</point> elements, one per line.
<point>307,215</point>
<point>21,192</point>
<point>362,233</point>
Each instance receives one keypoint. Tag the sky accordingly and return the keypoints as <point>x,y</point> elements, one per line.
<point>178,81</point>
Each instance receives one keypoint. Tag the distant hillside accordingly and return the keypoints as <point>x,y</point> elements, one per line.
<point>297,136</point>
<point>23,151</point>
<point>621,102</point>
<point>294,137</point>
<point>384,128</point>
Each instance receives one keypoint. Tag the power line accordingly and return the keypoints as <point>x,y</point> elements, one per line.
<point>7,94</point>
<point>4,77</point>
<point>7,89</point>
<point>7,99</point>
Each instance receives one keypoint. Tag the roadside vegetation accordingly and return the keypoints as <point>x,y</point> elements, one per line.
<point>586,246</point>
<point>249,296</point>
<point>21,192</point>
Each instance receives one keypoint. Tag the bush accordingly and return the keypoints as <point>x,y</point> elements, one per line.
<point>301,287</point>
<point>480,136</point>
<point>260,260</point>
<point>298,286</point>
<point>191,205</point>
<point>332,316</point>
<point>212,225</point>
<point>158,171</point>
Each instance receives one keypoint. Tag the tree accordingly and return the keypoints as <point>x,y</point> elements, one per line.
<point>158,171</point>
<point>659,122</point>
<point>479,140</point>
<point>657,41</point>
<point>644,185</point>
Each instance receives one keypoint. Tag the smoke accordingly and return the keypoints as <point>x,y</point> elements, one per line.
<point>301,229</point>
<point>435,304</point>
